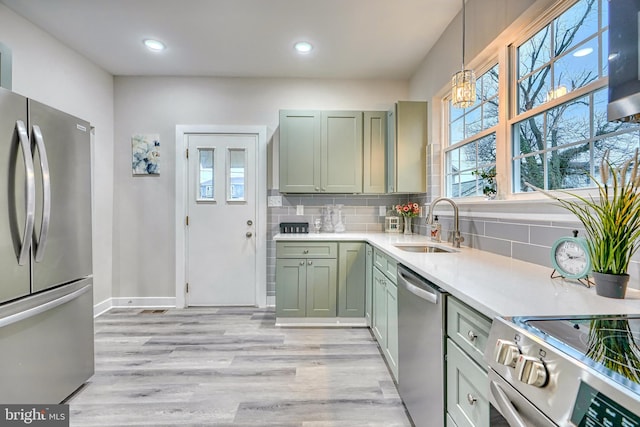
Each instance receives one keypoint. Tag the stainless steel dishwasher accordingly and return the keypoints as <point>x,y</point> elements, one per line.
<point>420,348</point>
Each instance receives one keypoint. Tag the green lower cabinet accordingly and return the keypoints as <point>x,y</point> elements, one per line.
<point>467,389</point>
<point>306,287</point>
<point>291,287</point>
<point>368,283</point>
<point>321,288</point>
<point>351,279</point>
<point>379,320</point>
<point>392,328</point>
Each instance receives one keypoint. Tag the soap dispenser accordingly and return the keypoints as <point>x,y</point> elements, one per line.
<point>436,228</point>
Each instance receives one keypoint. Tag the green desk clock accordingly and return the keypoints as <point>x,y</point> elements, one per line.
<point>570,259</point>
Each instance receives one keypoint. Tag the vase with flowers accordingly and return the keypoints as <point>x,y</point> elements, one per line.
<point>611,221</point>
<point>408,211</point>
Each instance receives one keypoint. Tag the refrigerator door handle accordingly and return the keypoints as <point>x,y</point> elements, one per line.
<point>30,213</point>
<point>41,243</point>
<point>49,305</point>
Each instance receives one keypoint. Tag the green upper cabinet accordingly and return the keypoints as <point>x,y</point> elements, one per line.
<point>321,152</point>
<point>375,146</point>
<point>407,147</point>
<point>5,66</point>
<point>351,279</point>
<point>341,158</point>
<point>300,151</point>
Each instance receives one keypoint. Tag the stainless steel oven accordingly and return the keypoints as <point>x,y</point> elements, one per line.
<point>569,371</point>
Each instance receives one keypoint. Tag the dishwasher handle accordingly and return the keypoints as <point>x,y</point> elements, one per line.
<point>411,283</point>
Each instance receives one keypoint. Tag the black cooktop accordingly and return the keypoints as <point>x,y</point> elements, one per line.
<point>609,344</point>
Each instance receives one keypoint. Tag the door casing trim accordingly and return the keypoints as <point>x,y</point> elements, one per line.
<point>182,131</point>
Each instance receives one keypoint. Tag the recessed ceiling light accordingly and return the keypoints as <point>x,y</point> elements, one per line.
<point>154,45</point>
<point>582,52</point>
<point>303,47</point>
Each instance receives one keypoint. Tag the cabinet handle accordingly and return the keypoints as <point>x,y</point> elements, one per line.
<point>472,400</point>
<point>317,188</point>
<point>309,263</point>
<point>472,336</point>
<point>301,262</point>
<point>306,251</point>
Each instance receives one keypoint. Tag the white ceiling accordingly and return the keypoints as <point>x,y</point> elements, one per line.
<point>247,38</point>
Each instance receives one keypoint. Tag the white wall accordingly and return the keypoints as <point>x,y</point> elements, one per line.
<point>48,71</point>
<point>144,206</point>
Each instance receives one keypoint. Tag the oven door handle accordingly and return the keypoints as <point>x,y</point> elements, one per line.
<point>508,411</point>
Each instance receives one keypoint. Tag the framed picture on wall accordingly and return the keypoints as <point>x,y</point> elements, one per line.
<point>145,154</point>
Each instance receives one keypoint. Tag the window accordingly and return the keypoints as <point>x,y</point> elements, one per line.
<point>560,130</point>
<point>205,178</point>
<point>472,139</point>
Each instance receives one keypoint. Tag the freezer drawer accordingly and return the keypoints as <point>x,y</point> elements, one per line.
<point>46,345</point>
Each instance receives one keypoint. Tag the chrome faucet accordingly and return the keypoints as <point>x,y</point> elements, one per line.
<point>457,237</point>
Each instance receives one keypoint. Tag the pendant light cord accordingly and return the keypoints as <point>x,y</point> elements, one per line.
<point>463,30</point>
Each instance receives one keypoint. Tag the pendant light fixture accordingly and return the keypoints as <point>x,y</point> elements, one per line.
<point>463,83</point>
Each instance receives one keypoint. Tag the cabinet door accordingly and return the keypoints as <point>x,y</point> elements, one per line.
<point>351,279</point>
<point>379,324</point>
<point>291,287</point>
<point>321,287</point>
<point>341,152</point>
<point>368,283</point>
<point>392,328</point>
<point>300,151</point>
<point>407,148</point>
<point>467,389</point>
<point>375,146</point>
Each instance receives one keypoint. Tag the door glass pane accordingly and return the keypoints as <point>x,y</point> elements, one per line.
<point>205,177</point>
<point>236,174</point>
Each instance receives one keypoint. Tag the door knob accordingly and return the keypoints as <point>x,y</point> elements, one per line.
<point>249,223</point>
<point>249,234</point>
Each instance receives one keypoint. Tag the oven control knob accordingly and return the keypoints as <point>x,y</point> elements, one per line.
<point>506,353</point>
<point>531,370</point>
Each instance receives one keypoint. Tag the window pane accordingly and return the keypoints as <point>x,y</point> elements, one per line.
<point>530,170</point>
<point>578,68</point>
<point>456,131</point>
<point>454,113</point>
<point>489,82</point>
<point>528,136</point>
<point>487,150</point>
<point>533,90</point>
<point>468,157</point>
<point>468,185</point>
<point>472,123</point>
<point>605,53</point>
<point>236,174</point>
<point>534,53</point>
<point>575,25</point>
<point>490,114</point>
<point>621,147</point>
<point>205,183</point>
<point>569,168</point>
<point>453,161</point>
<point>568,123</point>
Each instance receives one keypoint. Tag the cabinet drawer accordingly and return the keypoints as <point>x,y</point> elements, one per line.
<point>385,264</point>
<point>468,328</point>
<point>306,250</point>
<point>467,389</point>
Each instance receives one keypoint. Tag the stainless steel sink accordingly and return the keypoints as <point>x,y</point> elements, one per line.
<point>424,248</point>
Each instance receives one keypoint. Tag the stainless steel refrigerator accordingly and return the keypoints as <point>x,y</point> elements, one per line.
<point>46,293</point>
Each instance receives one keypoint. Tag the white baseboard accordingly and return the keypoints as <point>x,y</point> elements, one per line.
<point>139,302</point>
<point>102,307</point>
<point>336,322</point>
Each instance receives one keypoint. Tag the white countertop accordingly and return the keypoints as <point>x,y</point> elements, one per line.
<point>493,284</point>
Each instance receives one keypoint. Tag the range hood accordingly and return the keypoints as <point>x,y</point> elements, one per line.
<point>624,77</point>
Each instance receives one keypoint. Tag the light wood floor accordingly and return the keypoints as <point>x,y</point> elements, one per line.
<point>233,367</point>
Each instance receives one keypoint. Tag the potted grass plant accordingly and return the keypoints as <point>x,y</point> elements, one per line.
<point>611,221</point>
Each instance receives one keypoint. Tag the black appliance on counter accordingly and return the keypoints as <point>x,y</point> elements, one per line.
<point>565,371</point>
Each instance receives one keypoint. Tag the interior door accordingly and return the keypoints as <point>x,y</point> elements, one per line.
<point>14,280</point>
<point>221,242</point>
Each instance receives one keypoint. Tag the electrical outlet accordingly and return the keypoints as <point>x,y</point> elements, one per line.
<point>274,201</point>
<point>382,211</point>
<point>299,209</point>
